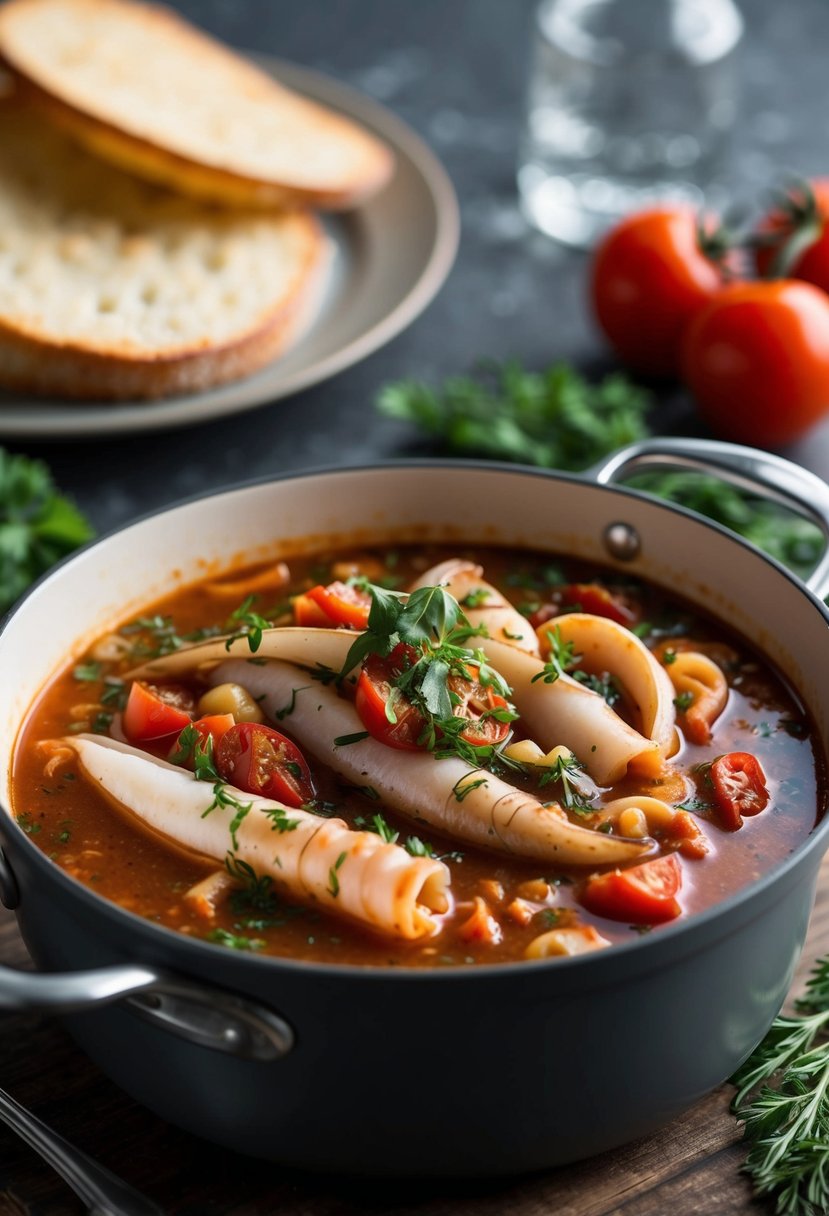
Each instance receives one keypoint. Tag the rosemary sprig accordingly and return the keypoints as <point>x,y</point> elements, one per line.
<point>783,1100</point>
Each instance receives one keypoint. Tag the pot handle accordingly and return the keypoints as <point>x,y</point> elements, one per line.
<point>759,473</point>
<point>207,1016</point>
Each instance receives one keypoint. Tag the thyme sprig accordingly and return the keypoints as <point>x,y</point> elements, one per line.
<point>783,1100</point>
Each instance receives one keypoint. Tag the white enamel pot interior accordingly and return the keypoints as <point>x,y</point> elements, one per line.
<point>502,1043</point>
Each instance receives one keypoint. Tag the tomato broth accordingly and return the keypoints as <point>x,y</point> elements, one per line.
<point>741,785</point>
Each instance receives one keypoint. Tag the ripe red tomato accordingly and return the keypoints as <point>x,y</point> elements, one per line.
<point>805,212</point>
<point>739,788</point>
<point>263,762</point>
<point>154,712</point>
<point>649,278</point>
<point>642,895</point>
<point>757,361</point>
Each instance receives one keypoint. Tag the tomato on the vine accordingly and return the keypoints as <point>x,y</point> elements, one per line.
<point>650,275</point>
<point>794,236</point>
<point>757,361</point>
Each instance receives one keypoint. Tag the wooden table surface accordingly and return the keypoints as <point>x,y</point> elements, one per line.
<point>691,1168</point>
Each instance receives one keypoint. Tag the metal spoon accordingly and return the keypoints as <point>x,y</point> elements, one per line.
<point>104,1192</point>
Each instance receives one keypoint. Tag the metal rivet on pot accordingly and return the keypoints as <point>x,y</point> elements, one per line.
<point>9,891</point>
<point>622,541</point>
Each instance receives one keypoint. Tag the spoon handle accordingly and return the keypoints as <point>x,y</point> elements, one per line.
<point>104,1192</point>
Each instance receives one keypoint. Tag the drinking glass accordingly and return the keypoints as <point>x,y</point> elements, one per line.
<point>629,103</point>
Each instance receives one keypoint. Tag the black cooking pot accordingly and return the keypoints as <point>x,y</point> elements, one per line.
<point>485,1070</point>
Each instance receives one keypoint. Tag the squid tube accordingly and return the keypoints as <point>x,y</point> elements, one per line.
<point>311,859</point>
<point>468,804</point>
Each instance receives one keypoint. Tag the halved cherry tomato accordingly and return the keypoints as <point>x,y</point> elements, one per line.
<point>153,712</point>
<point>211,726</point>
<point>261,761</point>
<point>757,361</point>
<point>385,713</point>
<point>643,895</point>
<point>390,716</point>
<point>649,277</point>
<point>739,788</point>
<point>337,604</point>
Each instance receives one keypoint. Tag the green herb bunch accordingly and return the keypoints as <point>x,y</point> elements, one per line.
<point>783,1100</point>
<point>37,525</point>
<point>554,418</point>
<point>558,420</point>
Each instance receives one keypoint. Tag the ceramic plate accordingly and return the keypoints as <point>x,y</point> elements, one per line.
<point>389,258</point>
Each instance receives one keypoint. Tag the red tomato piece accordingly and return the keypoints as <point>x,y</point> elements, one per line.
<point>261,761</point>
<point>649,278</point>
<point>388,715</point>
<point>153,712</point>
<point>400,725</point>
<point>739,788</point>
<point>757,361</point>
<point>595,599</point>
<point>642,895</point>
<point>342,604</point>
<point>476,701</point>
<point>308,613</point>
<point>211,726</point>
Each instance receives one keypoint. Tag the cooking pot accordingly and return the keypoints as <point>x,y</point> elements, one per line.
<point>382,1070</point>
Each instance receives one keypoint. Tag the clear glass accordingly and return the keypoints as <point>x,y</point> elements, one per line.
<point>629,102</point>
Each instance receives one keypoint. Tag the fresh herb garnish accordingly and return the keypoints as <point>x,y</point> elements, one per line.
<point>605,684</point>
<point>235,941</point>
<point>432,625</point>
<point>88,672</point>
<point>191,748</point>
<point>347,740</point>
<point>252,625</point>
<point>683,701</point>
<point>288,709</point>
<point>221,798</point>
<point>257,890</point>
<point>783,1100</point>
<point>333,879</point>
<point>37,525</point>
<point>561,657</point>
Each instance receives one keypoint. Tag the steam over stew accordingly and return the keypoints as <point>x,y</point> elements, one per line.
<point>418,758</point>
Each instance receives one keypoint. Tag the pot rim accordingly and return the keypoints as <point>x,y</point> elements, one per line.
<point>651,949</point>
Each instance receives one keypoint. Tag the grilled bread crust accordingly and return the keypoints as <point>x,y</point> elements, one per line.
<point>147,91</point>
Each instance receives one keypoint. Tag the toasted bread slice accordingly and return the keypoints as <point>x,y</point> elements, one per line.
<point>111,287</point>
<point>149,92</point>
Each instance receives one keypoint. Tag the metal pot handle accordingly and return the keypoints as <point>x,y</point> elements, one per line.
<point>748,469</point>
<point>207,1016</point>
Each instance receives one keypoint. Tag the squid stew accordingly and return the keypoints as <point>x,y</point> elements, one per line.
<point>422,757</point>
